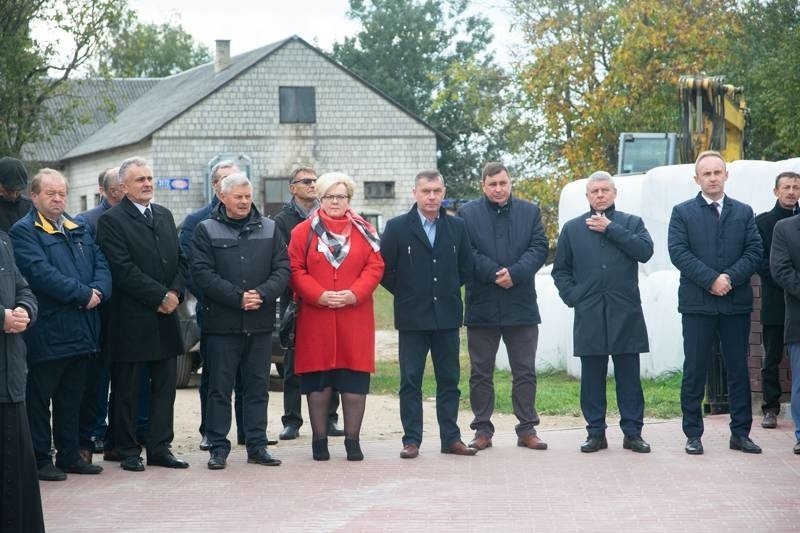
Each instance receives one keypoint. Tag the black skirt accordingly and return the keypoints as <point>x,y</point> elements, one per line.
<point>340,379</point>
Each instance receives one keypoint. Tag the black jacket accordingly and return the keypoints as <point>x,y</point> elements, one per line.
<point>14,292</point>
<point>229,258</point>
<point>426,280</point>
<point>285,221</point>
<point>785,269</point>
<point>512,237</point>
<point>10,212</point>
<point>145,262</point>
<point>598,275</point>
<point>772,306</point>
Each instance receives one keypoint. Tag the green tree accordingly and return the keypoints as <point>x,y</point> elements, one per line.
<point>151,50</point>
<point>433,59</point>
<point>32,73</point>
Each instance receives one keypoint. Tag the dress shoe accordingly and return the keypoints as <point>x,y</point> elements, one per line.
<point>51,472</point>
<point>205,445</point>
<point>82,467</point>
<point>353,449</point>
<point>98,445</point>
<point>744,444</point>
<point>770,420</point>
<point>334,430</point>
<point>531,441</point>
<point>319,449</point>
<point>594,443</point>
<point>459,448</point>
<point>481,441</point>
<point>694,446</point>
<point>797,448</point>
<point>167,460</point>
<point>86,455</point>
<point>289,433</point>
<point>635,443</point>
<point>410,451</point>
<point>112,455</point>
<point>217,461</point>
<point>132,464</point>
<point>262,457</point>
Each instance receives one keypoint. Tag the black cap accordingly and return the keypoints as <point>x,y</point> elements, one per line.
<point>13,175</point>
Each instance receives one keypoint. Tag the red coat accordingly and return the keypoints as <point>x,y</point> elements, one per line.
<point>327,338</point>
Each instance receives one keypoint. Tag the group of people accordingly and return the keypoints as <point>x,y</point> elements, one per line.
<point>95,297</point>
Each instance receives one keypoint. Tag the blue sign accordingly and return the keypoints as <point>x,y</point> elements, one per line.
<point>173,184</point>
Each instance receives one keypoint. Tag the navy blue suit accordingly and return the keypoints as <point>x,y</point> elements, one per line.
<point>426,283</point>
<point>702,245</point>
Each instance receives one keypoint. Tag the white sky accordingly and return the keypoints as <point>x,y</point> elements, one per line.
<point>251,24</point>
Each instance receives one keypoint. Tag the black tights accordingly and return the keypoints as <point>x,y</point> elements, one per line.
<point>352,411</point>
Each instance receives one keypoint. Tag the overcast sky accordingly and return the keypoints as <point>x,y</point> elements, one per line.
<point>250,24</point>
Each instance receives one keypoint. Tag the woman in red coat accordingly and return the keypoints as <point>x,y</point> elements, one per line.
<point>335,268</point>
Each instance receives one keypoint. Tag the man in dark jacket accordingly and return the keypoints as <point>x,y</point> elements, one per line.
<point>713,242</point>
<point>13,180</point>
<point>596,272</point>
<point>240,265</point>
<point>787,192</point>
<point>785,270</point>
<point>428,258</point>
<point>509,245</point>
<point>22,503</point>
<point>304,201</point>
<point>140,241</point>
<point>70,278</point>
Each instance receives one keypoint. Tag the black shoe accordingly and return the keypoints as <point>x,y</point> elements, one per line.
<point>319,449</point>
<point>98,445</point>
<point>744,444</point>
<point>635,443</point>
<point>51,472</point>
<point>334,430</point>
<point>593,444</point>
<point>132,464</point>
<point>694,446</point>
<point>167,461</point>
<point>82,467</point>
<point>262,457</point>
<point>217,461</point>
<point>796,448</point>
<point>353,448</point>
<point>770,420</point>
<point>204,444</point>
<point>289,433</point>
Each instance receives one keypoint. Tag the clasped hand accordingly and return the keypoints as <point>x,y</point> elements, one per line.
<point>251,300</point>
<point>721,286</point>
<point>16,320</point>
<point>337,299</point>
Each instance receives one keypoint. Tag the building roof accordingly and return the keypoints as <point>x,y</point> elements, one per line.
<point>95,102</point>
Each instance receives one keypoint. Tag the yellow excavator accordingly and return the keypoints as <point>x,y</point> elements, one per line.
<point>714,116</point>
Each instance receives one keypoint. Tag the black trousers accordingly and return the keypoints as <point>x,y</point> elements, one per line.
<point>126,377</point>
<point>94,404</point>
<point>20,499</point>
<point>630,399</point>
<point>699,332</point>
<point>292,415</point>
<point>61,380</point>
<point>772,337</point>
<point>203,390</point>
<point>226,354</point>
<point>443,346</point>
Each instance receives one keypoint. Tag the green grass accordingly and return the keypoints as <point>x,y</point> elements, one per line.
<point>556,394</point>
<point>384,310</point>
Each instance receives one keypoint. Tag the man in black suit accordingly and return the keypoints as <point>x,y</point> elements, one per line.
<point>140,241</point>
<point>428,258</point>
<point>787,191</point>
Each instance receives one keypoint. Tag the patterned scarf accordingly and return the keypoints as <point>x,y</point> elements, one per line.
<point>335,247</point>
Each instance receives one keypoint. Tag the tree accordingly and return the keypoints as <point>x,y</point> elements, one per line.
<point>433,59</point>
<point>143,50</point>
<point>32,73</point>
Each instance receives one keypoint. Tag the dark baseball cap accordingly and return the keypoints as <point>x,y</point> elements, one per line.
<point>13,176</point>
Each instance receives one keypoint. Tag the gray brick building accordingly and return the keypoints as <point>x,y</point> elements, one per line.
<point>274,108</point>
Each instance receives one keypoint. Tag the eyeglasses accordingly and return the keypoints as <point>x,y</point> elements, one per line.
<point>337,197</point>
<point>305,181</point>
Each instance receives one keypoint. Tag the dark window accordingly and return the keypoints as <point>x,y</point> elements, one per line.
<point>379,189</point>
<point>298,105</point>
<point>83,204</point>
<point>276,193</point>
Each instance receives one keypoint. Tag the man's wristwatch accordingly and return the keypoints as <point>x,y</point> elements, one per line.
<point>165,298</point>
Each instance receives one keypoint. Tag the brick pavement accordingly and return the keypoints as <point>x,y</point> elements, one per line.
<point>504,488</point>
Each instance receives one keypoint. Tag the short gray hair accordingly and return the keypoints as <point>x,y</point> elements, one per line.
<point>222,165</point>
<point>600,175</point>
<point>131,162</point>
<point>110,178</point>
<point>237,179</point>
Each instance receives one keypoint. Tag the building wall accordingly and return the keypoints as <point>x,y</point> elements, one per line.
<point>357,131</point>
